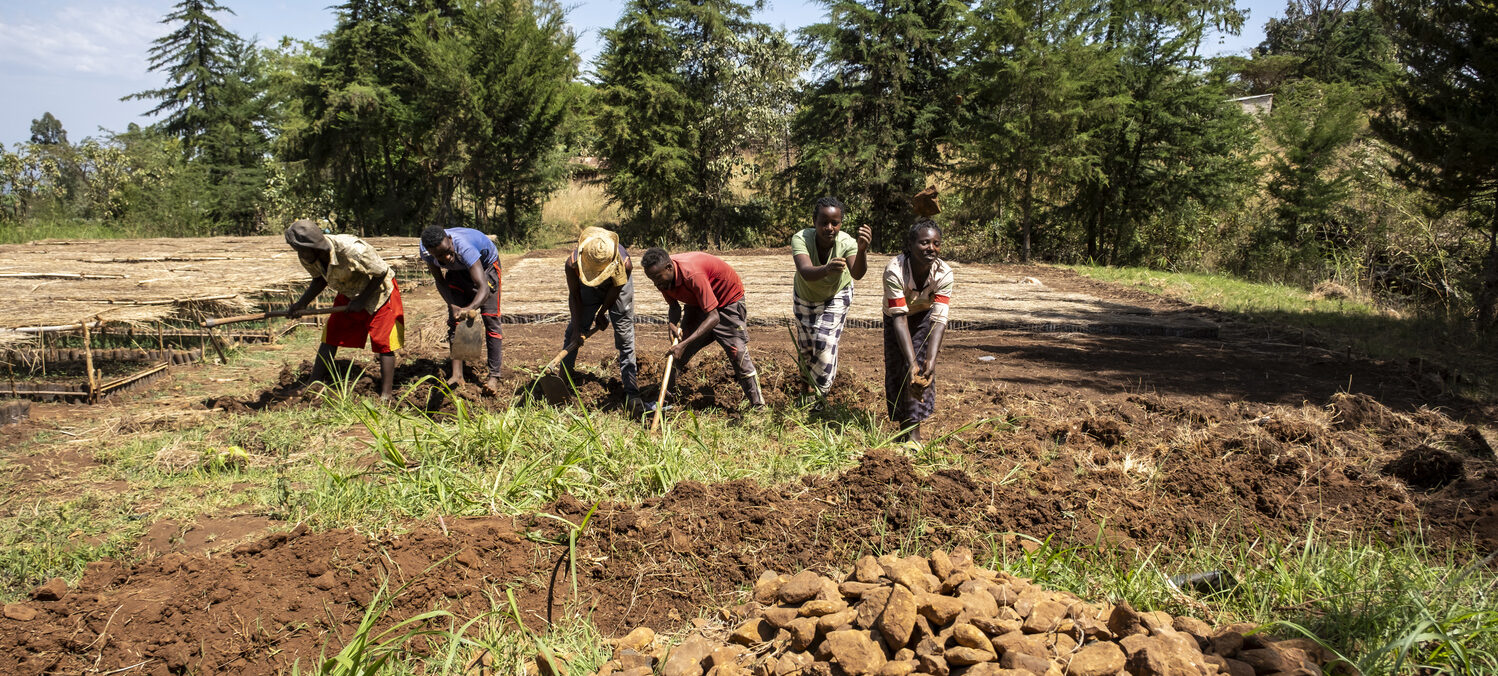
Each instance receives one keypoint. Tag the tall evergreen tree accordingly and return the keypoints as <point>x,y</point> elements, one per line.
<point>1443,115</point>
<point>1330,41</point>
<point>47,130</point>
<point>194,58</point>
<point>1167,139</point>
<point>1310,124</point>
<point>870,127</point>
<point>498,86</point>
<point>1027,72</point>
<point>672,83</point>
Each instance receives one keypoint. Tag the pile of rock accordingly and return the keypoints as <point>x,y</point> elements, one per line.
<point>945,616</point>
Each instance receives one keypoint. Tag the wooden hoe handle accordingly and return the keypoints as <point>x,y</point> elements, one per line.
<point>220,321</point>
<point>660,401</point>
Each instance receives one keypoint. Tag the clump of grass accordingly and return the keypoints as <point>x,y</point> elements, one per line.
<point>43,541</point>
<point>1386,607</point>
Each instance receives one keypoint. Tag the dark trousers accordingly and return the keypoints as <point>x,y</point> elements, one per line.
<point>460,285</point>
<point>732,333</point>
<point>622,317</point>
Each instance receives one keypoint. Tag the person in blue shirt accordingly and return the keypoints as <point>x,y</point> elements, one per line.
<point>465,265</point>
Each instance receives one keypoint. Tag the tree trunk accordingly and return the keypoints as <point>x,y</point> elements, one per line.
<point>1487,293</point>
<point>1025,201</point>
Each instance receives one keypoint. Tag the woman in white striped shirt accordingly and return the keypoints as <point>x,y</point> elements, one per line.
<point>917,295</point>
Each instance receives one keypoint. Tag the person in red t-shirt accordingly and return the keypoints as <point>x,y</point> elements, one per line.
<point>714,297</point>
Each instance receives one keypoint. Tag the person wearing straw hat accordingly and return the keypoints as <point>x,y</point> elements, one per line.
<point>465,265</point>
<point>827,260</point>
<point>364,283</point>
<point>601,291</point>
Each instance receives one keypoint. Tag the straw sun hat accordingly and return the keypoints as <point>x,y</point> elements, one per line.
<point>598,257</point>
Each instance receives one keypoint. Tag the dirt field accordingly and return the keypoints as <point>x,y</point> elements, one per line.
<point>1098,439</point>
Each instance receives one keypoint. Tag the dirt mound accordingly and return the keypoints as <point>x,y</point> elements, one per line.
<point>897,616</point>
<point>1426,467</point>
<point>276,599</point>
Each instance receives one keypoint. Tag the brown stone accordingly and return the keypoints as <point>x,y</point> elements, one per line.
<point>962,558</point>
<point>689,658</point>
<point>963,656</point>
<point>767,587</point>
<point>898,668</point>
<point>955,582</point>
<point>1003,594</point>
<point>898,619</point>
<point>836,621</point>
<point>940,610</point>
<point>936,665</point>
<point>828,592</point>
<point>780,617</point>
<point>724,655</point>
<point>1226,643</point>
<point>636,640</point>
<point>994,626</point>
<point>904,572</point>
<point>856,652</point>
<point>1163,656</point>
<point>800,588</point>
<point>968,636</point>
<point>53,590</point>
<point>867,569</point>
<point>855,590</point>
<point>792,663</point>
<point>1274,659</point>
<point>753,632</point>
<point>977,602</point>
<point>803,632</point>
<point>1125,621</point>
<point>871,607</point>
<point>1156,620</point>
<point>1237,667</point>
<point>727,669</point>
<point>818,608</point>
<point>1045,616</point>
<point>941,565</point>
<point>1198,629</point>
<point>633,659</point>
<point>637,671</point>
<point>20,612</point>
<point>1016,642</point>
<point>1026,601</point>
<point>903,654</point>
<point>1100,658</point>
<point>993,669</point>
<point>1060,644</point>
<point>1024,662</point>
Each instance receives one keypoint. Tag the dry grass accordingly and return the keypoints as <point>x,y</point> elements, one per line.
<point>579,205</point>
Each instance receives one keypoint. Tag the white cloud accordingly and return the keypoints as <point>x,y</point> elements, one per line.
<point>90,39</point>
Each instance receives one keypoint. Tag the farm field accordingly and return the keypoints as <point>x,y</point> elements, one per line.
<point>223,520</point>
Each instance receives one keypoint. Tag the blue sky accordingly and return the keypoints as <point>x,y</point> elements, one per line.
<point>76,58</point>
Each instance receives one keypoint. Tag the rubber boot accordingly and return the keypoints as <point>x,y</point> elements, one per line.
<point>751,390</point>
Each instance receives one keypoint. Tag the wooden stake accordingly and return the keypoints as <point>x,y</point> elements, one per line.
<point>88,363</point>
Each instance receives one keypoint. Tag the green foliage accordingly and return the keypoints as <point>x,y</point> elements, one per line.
<point>1325,40</point>
<point>1029,68</point>
<point>420,111</point>
<point>1443,117</point>
<point>1168,142</point>
<point>870,127</point>
<point>1310,125</point>
<point>685,90</point>
<point>48,131</point>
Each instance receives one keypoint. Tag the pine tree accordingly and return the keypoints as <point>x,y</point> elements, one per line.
<point>48,131</point>
<point>672,83</point>
<point>1310,124</point>
<point>1027,70</point>
<point>870,128</point>
<point>193,56</point>
<point>1442,118</point>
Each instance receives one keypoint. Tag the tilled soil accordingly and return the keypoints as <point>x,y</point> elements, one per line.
<point>1110,441</point>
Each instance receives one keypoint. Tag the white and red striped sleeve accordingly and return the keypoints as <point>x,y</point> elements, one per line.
<point>894,287</point>
<point>941,301</point>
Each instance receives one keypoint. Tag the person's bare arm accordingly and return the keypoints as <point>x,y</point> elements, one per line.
<point>371,290</point>
<point>481,289</point>
<point>442,290</point>
<point>574,299</point>
<point>313,291</point>
<point>812,273</point>
<point>907,348</point>
<point>703,333</point>
<point>933,346</point>
<point>858,264</point>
